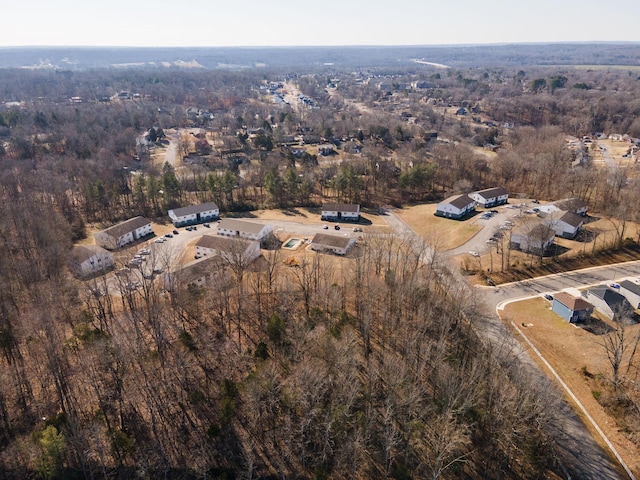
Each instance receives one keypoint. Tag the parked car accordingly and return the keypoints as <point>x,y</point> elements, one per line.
<point>206,225</point>
<point>168,235</point>
<point>159,240</point>
<point>325,227</point>
<point>337,227</point>
<point>473,253</point>
<point>614,285</point>
<point>176,232</point>
<point>144,251</point>
<point>548,297</point>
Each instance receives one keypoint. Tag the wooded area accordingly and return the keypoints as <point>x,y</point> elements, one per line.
<point>368,368</point>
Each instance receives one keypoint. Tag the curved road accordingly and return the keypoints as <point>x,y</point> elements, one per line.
<point>581,456</point>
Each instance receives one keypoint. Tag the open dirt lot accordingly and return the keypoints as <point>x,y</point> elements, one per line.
<point>570,350</point>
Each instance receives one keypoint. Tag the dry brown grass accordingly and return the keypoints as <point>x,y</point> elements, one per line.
<point>443,232</point>
<point>571,351</point>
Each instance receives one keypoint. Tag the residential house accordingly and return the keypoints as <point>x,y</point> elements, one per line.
<point>564,224</point>
<point>490,197</point>
<point>323,242</point>
<point>610,303</point>
<point>532,237</point>
<point>123,233</point>
<point>231,249</point>
<point>455,207</point>
<point>573,205</point>
<point>231,227</point>
<point>87,260</point>
<point>202,273</point>
<point>630,291</point>
<point>194,214</point>
<point>573,309</point>
<point>349,212</point>
<point>326,149</point>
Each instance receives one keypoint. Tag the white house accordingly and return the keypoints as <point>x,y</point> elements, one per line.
<point>87,260</point>
<point>490,197</point>
<point>323,242</point>
<point>455,207</point>
<point>349,212</point>
<point>231,227</point>
<point>230,249</point>
<point>532,238</point>
<point>610,303</point>
<point>123,233</point>
<point>573,205</point>
<point>194,214</point>
<point>564,224</point>
<point>630,291</point>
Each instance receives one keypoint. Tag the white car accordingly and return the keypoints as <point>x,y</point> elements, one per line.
<point>159,240</point>
<point>473,253</point>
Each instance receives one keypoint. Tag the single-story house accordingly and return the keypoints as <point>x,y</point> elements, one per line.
<point>532,238</point>
<point>323,242</point>
<point>456,206</point>
<point>349,212</point>
<point>564,224</point>
<point>610,303</point>
<point>490,197</point>
<point>201,273</point>
<point>194,214</point>
<point>229,248</point>
<point>631,291</point>
<point>123,233</point>
<point>573,309</point>
<point>231,227</point>
<point>86,260</point>
<point>573,205</point>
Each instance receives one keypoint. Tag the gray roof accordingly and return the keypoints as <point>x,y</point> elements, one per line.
<point>571,204</point>
<point>611,297</point>
<point>190,210</point>
<point>221,243</point>
<point>489,193</point>
<point>572,219</point>
<point>201,268</point>
<point>630,286</point>
<point>331,240</point>
<point>341,207</point>
<point>459,201</point>
<point>127,226</point>
<point>85,252</point>
<point>240,226</point>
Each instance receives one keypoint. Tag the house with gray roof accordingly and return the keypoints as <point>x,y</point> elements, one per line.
<point>349,212</point>
<point>323,242</point>
<point>631,291</point>
<point>456,207</point>
<point>565,224</point>
<point>123,233</point>
<point>610,303</point>
<point>231,249</point>
<point>231,227</point>
<point>532,237</point>
<point>87,260</point>
<point>194,214</point>
<point>490,197</point>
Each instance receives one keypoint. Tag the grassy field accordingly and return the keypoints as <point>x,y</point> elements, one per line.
<point>444,233</point>
<point>579,359</point>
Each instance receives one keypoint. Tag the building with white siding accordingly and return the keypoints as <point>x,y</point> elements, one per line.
<point>88,260</point>
<point>455,207</point>
<point>490,197</point>
<point>323,242</point>
<point>194,214</point>
<point>123,233</point>
<point>231,227</point>
<point>346,212</point>
<point>229,248</point>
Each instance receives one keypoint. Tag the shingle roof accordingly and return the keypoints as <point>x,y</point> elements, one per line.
<point>571,204</point>
<point>488,193</point>
<point>630,286</point>
<point>220,243</point>
<point>127,226</point>
<point>572,219</point>
<point>341,207</point>
<point>574,303</point>
<point>331,240</point>
<point>459,201</point>
<point>85,252</point>
<point>611,297</point>
<point>240,225</point>
<point>191,209</point>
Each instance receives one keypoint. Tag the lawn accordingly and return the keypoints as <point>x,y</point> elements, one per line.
<point>442,232</point>
<point>579,359</point>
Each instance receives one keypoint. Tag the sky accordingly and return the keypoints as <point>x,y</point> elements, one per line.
<point>161,23</point>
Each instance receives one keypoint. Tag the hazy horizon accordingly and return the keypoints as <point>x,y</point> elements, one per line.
<point>254,24</point>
